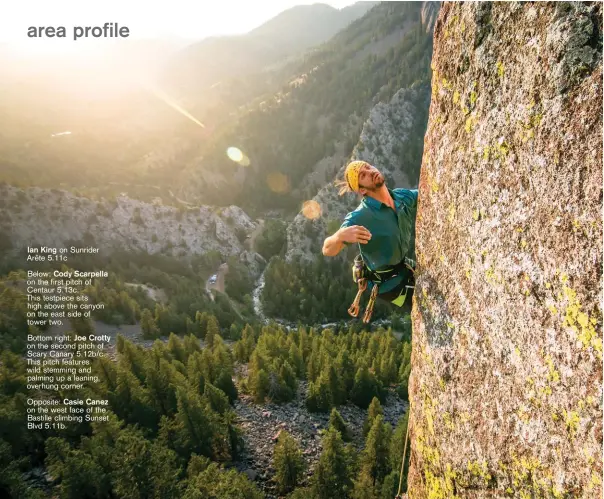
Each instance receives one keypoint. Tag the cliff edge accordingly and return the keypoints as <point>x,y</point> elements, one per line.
<point>506,384</point>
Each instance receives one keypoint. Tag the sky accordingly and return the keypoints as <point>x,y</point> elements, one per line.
<point>188,19</point>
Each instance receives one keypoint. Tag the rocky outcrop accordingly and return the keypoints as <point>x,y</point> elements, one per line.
<point>382,142</point>
<point>57,218</point>
<point>429,14</point>
<point>506,385</point>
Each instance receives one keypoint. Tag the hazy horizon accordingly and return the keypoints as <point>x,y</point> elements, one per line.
<point>178,21</point>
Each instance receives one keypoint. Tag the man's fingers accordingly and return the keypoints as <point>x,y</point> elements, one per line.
<point>359,234</point>
<point>362,230</point>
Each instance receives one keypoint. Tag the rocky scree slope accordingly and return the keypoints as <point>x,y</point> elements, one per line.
<point>506,385</point>
<point>56,218</point>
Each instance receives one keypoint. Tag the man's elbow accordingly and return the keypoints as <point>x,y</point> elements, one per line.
<point>328,248</point>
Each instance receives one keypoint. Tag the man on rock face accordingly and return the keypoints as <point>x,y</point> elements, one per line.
<point>383,225</point>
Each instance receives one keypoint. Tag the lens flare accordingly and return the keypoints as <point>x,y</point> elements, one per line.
<point>278,182</point>
<point>170,102</point>
<point>235,154</point>
<point>311,209</point>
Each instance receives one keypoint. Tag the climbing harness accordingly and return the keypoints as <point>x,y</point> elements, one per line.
<point>361,275</point>
<point>400,480</point>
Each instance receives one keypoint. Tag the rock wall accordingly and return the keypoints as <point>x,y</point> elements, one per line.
<point>506,385</point>
<point>52,217</point>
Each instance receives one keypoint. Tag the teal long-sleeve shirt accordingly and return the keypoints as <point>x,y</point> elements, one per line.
<point>392,231</point>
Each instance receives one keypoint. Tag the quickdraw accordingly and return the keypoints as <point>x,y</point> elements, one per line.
<point>359,275</point>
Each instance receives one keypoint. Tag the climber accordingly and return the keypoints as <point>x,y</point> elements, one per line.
<point>383,225</point>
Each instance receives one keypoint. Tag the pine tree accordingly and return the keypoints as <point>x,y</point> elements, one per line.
<point>374,459</point>
<point>365,388</point>
<point>148,325</point>
<point>318,398</point>
<point>259,386</point>
<point>213,329</point>
<point>288,463</point>
<point>224,381</point>
<point>345,368</point>
<point>364,487</point>
<point>216,399</point>
<point>162,382</point>
<point>131,401</point>
<point>296,361</point>
<point>336,422</point>
<point>191,345</point>
<point>143,469</point>
<point>82,326</point>
<point>313,369</point>
<point>240,352</point>
<point>336,386</point>
<point>192,431</point>
<point>375,410</point>
<point>176,348</point>
<point>289,377</point>
<point>195,370</point>
<point>332,476</point>
<point>201,324</point>
<point>213,482</point>
<point>81,475</point>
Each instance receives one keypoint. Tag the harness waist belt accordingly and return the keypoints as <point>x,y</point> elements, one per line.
<point>387,274</point>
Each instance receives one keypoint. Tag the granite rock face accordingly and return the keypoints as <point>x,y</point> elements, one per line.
<point>506,385</point>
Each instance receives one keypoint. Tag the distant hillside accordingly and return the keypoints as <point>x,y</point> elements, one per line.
<point>305,26</point>
<point>130,131</point>
<point>298,138</point>
<point>214,59</point>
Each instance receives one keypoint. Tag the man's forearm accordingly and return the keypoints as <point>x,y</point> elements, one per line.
<point>332,245</point>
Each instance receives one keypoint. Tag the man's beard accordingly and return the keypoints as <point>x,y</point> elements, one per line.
<point>378,182</point>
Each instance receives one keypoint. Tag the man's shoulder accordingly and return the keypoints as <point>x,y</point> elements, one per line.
<point>356,216</point>
<point>406,195</point>
<point>404,191</point>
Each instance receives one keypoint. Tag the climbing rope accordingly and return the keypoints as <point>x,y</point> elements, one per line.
<point>400,481</point>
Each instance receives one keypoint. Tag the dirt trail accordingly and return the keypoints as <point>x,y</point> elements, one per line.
<point>219,284</point>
